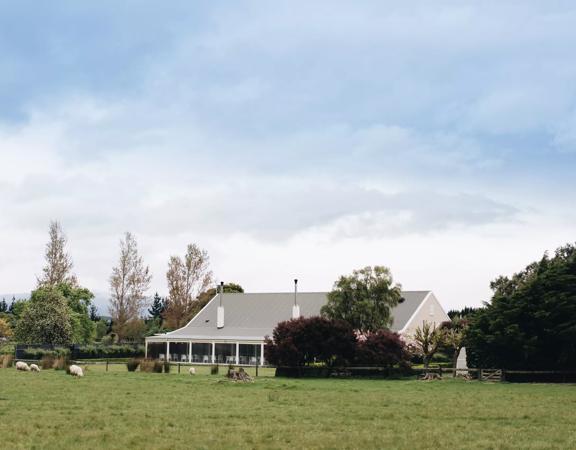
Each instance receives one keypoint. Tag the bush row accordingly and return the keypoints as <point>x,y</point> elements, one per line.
<point>85,352</point>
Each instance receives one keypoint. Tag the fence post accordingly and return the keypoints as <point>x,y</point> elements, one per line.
<point>480,375</point>
<point>178,367</point>
<point>503,376</point>
<point>256,369</point>
<point>107,365</point>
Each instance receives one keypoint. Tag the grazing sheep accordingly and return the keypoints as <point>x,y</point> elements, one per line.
<point>34,368</point>
<point>76,371</point>
<point>22,366</point>
<point>192,371</point>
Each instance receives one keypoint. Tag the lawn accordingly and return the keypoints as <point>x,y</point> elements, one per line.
<point>118,409</point>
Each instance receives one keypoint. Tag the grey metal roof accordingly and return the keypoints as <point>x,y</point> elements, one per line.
<point>253,316</point>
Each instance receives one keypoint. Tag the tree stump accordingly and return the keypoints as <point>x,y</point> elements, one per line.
<point>239,376</point>
<point>430,376</point>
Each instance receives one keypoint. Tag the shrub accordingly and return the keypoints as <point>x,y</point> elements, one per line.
<point>110,351</point>
<point>147,365</point>
<point>151,365</point>
<point>214,369</point>
<point>304,341</point>
<point>382,348</point>
<point>6,361</point>
<point>166,367</point>
<point>62,363</point>
<point>133,364</point>
<point>47,362</point>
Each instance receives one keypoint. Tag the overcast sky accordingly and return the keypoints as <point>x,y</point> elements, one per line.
<point>289,138</point>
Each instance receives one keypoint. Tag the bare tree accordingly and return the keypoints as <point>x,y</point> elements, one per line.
<point>128,285</point>
<point>58,262</point>
<point>427,339</point>
<point>186,278</point>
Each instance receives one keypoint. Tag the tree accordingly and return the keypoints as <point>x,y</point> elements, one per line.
<point>427,339</point>
<point>45,319</point>
<point>530,322</point>
<point>15,310</point>
<point>454,333</point>
<point>382,348</point>
<point>187,278</point>
<point>463,313</point>
<point>3,306</point>
<point>158,306</point>
<point>5,330</point>
<point>102,328</point>
<point>302,341</point>
<point>364,299</point>
<point>58,262</point>
<point>94,316</point>
<point>79,301</point>
<point>128,285</point>
<point>135,330</point>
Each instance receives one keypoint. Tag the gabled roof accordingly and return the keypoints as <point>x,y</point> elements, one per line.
<point>253,316</point>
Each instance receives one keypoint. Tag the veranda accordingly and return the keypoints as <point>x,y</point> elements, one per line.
<point>207,352</point>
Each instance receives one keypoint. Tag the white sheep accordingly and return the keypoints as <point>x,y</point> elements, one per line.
<point>76,371</point>
<point>34,368</point>
<point>20,365</point>
<point>192,371</point>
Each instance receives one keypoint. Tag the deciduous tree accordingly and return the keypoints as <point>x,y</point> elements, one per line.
<point>382,348</point>
<point>129,282</point>
<point>58,263</point>
<point>427,339</point>
<point>45,319</point>
<point>187,277</point>
<point>5,329</point>
<point>302,341</point>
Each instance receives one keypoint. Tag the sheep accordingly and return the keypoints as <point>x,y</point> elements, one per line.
<point>76,371</point>
<point>20,365</point>
<point>192,371</point>
<point>34,368</point>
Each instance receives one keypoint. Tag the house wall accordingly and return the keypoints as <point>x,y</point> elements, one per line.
<point>430,311</point>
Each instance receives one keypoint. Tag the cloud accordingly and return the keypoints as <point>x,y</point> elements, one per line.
<point>284,129</point>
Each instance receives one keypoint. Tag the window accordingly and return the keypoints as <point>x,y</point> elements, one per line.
<point>431,309</point>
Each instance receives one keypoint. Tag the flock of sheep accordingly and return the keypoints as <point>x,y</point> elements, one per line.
<point>74,370</point>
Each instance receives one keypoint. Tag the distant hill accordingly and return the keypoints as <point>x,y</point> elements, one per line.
<point>20,296</point>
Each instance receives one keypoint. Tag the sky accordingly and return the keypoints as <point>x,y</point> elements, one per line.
<point>290,139</point>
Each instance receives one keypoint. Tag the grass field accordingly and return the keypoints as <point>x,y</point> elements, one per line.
<point>117,409</point>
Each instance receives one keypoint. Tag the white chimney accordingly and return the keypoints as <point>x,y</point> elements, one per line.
<point>220,311</point>
<point>296,306</point>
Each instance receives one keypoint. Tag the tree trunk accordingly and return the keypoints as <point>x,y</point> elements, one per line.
<point>455,361</point>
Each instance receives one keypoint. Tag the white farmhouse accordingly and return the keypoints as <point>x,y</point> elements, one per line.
<point>231,328</point>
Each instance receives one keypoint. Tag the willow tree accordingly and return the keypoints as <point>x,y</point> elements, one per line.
<point>129,282</point>
<point>364,299</point>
